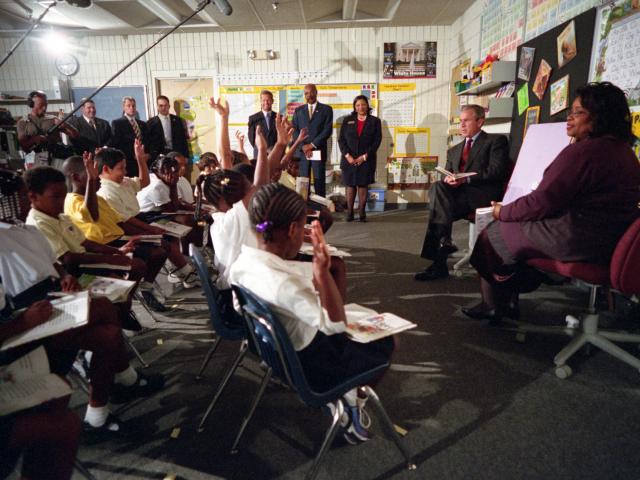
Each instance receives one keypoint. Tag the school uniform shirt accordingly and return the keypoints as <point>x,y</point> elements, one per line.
<point>104,230</point>
<point>61,232</point>
<point>121,196</point>
<point>26,257</point>
<point>229,232</point>
<point>185,192</point>
<point>154,195</point>
<point>290,292</point>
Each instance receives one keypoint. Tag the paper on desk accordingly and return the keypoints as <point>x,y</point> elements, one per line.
<point>69,312</point>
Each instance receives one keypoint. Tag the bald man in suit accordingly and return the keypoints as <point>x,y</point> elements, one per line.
<point>449,199</point>
<point>94,132</point>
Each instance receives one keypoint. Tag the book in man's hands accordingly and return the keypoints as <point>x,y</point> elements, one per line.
<point>150,238</point>
<point>27,382</point>
<point>173,229</point>
<point>115,289</point>
<point>365,325</point>
<point>70,311</point>
<point>455,176</point>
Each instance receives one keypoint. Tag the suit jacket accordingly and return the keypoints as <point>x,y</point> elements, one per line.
<point>489,158</point>
<point>368,142</point>
<point>587,198</point>
<point>123,137</point>
<point>179,139</point>
<point>320,127</point>
<point>271,135</point>
<point>90,138</point>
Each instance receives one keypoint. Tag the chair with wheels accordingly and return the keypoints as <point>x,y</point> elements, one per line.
<point>621,275</point>
<point>275,349</point>
<point>229,328</point>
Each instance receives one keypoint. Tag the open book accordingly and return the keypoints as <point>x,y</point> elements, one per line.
<point>307,249</point>
<point>70,311</point>
<point>115,289</point>
<point>173,229</point>
<point>105,266</point>
<point>455,176</point>
<point>27,382</point>
<point>322,201</point>
<point>365,325</point>
<point>151,238</point>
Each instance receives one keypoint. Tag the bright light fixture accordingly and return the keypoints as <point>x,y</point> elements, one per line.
<point>55,42</point>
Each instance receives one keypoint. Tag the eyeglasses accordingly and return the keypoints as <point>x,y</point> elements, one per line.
<point>577,113</point>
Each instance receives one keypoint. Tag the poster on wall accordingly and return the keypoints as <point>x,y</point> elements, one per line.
<point>410,60</point>
<point>559,95</point>
<point>412,172</point>
<point>566,42</point>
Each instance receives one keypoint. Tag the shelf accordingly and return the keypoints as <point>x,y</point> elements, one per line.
<point>500,108</point>
<point>501,72</point>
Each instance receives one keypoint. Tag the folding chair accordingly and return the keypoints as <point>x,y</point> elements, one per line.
<point>229,329</point>
<point>275,349</point>
<point>622,275</point>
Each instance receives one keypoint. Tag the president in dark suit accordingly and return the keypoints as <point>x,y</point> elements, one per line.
<point>318,119</point>
<point>94,132</point>
<point>167,132</point>
<point>125,130</point>
<point>266,118</point>
<point>450,199</point>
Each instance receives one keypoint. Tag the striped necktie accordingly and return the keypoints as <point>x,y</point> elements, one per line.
<point>136,128</point>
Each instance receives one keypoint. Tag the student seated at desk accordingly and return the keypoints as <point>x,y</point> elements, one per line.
<point>586,200</point>
<point>120,193</point>
<point>29,271</point>
<point>311,308</point>
<point>185,190</point>
<point>208,163</point>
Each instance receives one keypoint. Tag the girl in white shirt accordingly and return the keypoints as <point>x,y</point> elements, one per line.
<point>310,309</point>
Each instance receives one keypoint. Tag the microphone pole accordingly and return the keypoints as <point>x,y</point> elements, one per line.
<point>201,6</point>
<point>22,39</point>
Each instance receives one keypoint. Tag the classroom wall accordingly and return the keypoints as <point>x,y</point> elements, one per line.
<point>348,55</point>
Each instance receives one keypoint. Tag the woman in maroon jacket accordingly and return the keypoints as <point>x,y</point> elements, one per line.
<point>586,200</point>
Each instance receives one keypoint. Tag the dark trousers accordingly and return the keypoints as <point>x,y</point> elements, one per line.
<point>446,205</point>
<point>319,172</point>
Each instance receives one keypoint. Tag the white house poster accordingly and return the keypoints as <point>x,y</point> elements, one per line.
<point>410,60</point>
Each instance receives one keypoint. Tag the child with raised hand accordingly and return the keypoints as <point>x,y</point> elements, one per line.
<point>310,307</point>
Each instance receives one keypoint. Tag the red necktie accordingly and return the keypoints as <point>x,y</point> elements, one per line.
<point>465,154</point>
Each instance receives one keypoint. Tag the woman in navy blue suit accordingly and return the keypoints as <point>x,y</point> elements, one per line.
<point>360,137</point>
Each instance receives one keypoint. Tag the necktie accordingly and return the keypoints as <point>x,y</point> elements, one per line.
<point>92,123</point>
<point>465,154</point>
<point>310,111</point>
<point>136,128</point>
<point>266,120</point>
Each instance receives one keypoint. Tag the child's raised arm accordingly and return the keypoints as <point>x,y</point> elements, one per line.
<point>224,144</point>
<point>330,297</point>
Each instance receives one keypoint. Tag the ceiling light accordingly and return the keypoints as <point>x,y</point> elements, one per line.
<point>55,42</point>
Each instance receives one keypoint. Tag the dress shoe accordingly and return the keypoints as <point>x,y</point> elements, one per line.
<point>448,248</point>
<point>362,217</point>
<point>434,272</point>
<point>349,217</point>
<point>482,312</point>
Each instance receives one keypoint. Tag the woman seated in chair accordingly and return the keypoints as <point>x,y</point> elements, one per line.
<point>305,297</point>
<point>585,201</point>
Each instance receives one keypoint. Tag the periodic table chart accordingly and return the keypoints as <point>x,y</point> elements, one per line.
<point>398,104</point>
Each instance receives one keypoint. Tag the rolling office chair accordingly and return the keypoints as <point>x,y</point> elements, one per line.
<point>275,349</point>
<point>622,275</point>
<point>227,329</point>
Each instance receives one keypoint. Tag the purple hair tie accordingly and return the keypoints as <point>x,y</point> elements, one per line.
<point>264,226</point>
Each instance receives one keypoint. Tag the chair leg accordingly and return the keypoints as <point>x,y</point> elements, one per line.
<point>135,351</point>
<point>207,358</point>
<point>256,400</point>
<point>338,411</point>
<point>572,347</point>
<point>84,471</point>
<point>612,349</point>
<point>373,396</point>
<point>241,353</point>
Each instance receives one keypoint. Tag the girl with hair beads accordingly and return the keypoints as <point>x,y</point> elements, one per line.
<point>310,307</point>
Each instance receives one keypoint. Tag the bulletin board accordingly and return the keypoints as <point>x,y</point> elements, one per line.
<point>578,70</point>
<point>109,100</point>
<point>411,173</point>
<point>411,141</point>
<point>543,15</point>
<point>398,104</point>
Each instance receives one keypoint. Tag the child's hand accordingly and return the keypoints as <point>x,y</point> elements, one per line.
<point>261,142</point>
<point>69,283</point>
<point>219,106</point>
<point>321,256</point>
<point>240,137</point>
<point>140,154</point>
<point>130,246</point>
<point>90,165</point>
<point>39,312</point>
<point>304,134</point>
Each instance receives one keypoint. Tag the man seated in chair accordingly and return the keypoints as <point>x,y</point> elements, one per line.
<point>450,199</point>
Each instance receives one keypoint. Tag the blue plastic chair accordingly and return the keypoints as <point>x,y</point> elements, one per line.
<point>274,347</point>
<point>229,328</point>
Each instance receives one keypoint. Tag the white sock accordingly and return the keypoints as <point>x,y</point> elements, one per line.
<point>351,396</point>
<point>96,416</point>
<point>146,285</point>
<point>127,377</point>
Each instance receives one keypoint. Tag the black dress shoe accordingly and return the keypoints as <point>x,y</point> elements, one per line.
<point>350,217</point>
<point>448,248</point>
<point>479,312</point>
<point>434,272</point>
<point>113,429</point>
<point>362,217</point>
<point>146,385</point>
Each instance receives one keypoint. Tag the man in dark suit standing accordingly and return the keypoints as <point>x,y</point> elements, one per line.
<point>94,132</point>
<point>450,199</point>
<point>266,118</point>
<point>167,132</point>
<point>318,119</point>
<point>125,130</point>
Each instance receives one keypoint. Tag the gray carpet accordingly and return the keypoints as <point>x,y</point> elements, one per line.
<point>476,404</point>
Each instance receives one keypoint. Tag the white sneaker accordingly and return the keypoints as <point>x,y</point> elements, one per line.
<point>190,280</point>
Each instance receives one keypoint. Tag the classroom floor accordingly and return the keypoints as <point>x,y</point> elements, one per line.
<point>476,404</point>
